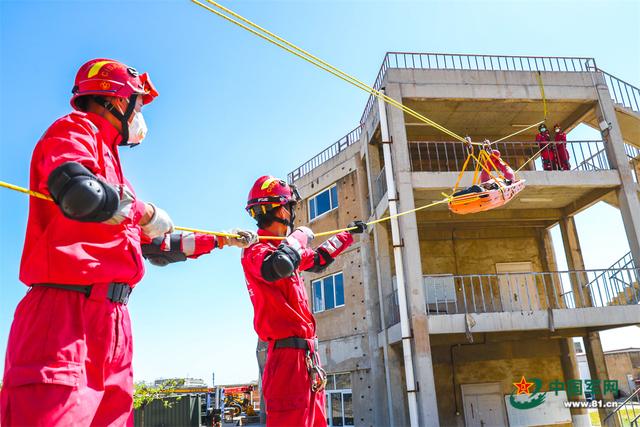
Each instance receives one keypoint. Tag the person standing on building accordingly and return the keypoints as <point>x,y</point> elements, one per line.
<point>69,352</point>
<point>548,153</point>
<point>293,380</point>
<point>560,139</point>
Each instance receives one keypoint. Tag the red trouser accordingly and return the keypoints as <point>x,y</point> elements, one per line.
<point>549,160</point>
<point>287,390</point>
<point>68,361</point>
<point>563,157</point>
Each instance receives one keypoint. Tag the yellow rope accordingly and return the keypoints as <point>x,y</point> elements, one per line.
<point>24,190</point>
<point>219,233</point>
<point>533,157</point>
<point>544,99</point>
<point>295,50</point>
<point>518,132</point>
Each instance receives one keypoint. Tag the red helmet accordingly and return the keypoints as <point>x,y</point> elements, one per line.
<point>269,193</point>
<point>107,77</point>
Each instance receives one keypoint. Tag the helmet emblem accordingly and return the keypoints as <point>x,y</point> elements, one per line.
<point>269,184</point>
<point>95,68</point>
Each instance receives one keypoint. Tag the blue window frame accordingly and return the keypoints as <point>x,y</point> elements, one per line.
<point>328,292</point>
<point>323,202</point>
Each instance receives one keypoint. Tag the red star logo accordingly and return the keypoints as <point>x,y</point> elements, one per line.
<point>523,386</point>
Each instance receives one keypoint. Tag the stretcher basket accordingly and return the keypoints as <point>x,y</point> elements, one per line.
<point>486,200</point>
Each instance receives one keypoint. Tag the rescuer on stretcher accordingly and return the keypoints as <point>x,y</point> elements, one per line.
<point>494,162</point>
<point>293,379</point>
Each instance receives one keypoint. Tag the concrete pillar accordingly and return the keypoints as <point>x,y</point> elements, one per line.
<point>547,256</point>
<point>575,262</point>
<point>579,416</point>
<point>378,376</point>
<point>423,366</point>
<point>598,370</point>
<point>400,408</point>
<point>627,193</point>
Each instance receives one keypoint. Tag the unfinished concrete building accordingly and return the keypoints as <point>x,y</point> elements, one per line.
<point>432,317</point>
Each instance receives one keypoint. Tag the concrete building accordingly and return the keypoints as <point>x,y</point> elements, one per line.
<point>181,382</point>
<point>623,366</point>
<point>430,318</point>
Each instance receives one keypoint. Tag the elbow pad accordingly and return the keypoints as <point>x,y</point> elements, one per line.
<point>164,250</point>
<point>321,260</point>
<point>283,262</point>
<point>81,195</point>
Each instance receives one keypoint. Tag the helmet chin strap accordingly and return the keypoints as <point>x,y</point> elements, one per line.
<point>288,222</point>
<point>122,117</point>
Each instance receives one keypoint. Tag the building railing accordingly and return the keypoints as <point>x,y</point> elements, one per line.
<point>510,292</point>
<point>391,309</point>
<point>327,154</point>
<point>445,61</point>
<point>627,413</point>
<point>622,93</point>
<point>379,187</point>
<point>449,156</point>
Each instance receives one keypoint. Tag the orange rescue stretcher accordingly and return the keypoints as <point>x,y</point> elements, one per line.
<point>489,198</point>
<point>486,200</point>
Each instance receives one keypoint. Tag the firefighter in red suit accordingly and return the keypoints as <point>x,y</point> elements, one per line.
<point>69,352</point>
<point>560,139</point>
<point>548,153</point>
<point>497,166</point>
<point>293,380</point>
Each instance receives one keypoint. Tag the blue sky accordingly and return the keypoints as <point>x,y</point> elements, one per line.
<point>232,108</point>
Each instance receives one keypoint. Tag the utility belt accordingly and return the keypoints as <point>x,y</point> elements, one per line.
<point>116,292</point>
<point>317,375</point>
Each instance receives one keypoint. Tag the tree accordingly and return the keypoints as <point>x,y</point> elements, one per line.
<point>144,394</point>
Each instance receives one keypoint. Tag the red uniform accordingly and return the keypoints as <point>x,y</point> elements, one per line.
<point>548,154</point>
<point>504,169</point>
<point>68,359</point>
<point>560,139</point>
<point>281,311</point>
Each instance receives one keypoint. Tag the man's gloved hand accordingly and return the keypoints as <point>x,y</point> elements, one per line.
<point>159,224</point>
<point>246,239</point>
<point>300,238</point>
<point>360,227</point>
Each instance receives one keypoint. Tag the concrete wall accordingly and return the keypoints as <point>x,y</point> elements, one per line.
<point>619,365</point>
<point>460,251</point>
<point>502,358</point>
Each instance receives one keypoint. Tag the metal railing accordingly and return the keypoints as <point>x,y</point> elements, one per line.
<point>379,187</point>
<point>622,93</point>
<point>627,413</point>
<point>445,61</point>
<point>327,154</point>
<point>449,156</point>
<point>391,309</point>
<point>487,293</point>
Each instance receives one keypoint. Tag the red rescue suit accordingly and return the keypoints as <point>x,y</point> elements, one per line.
<point>68,359</point>
<point>548,153</point>
<point>560,139</point>
<point>500,165</point>
<point>281,310</point>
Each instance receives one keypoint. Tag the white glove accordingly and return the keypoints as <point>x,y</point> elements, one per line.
<point>300,238</point>
<point>308,232</point>
<point>159,225</point>
<point>246,239</point>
